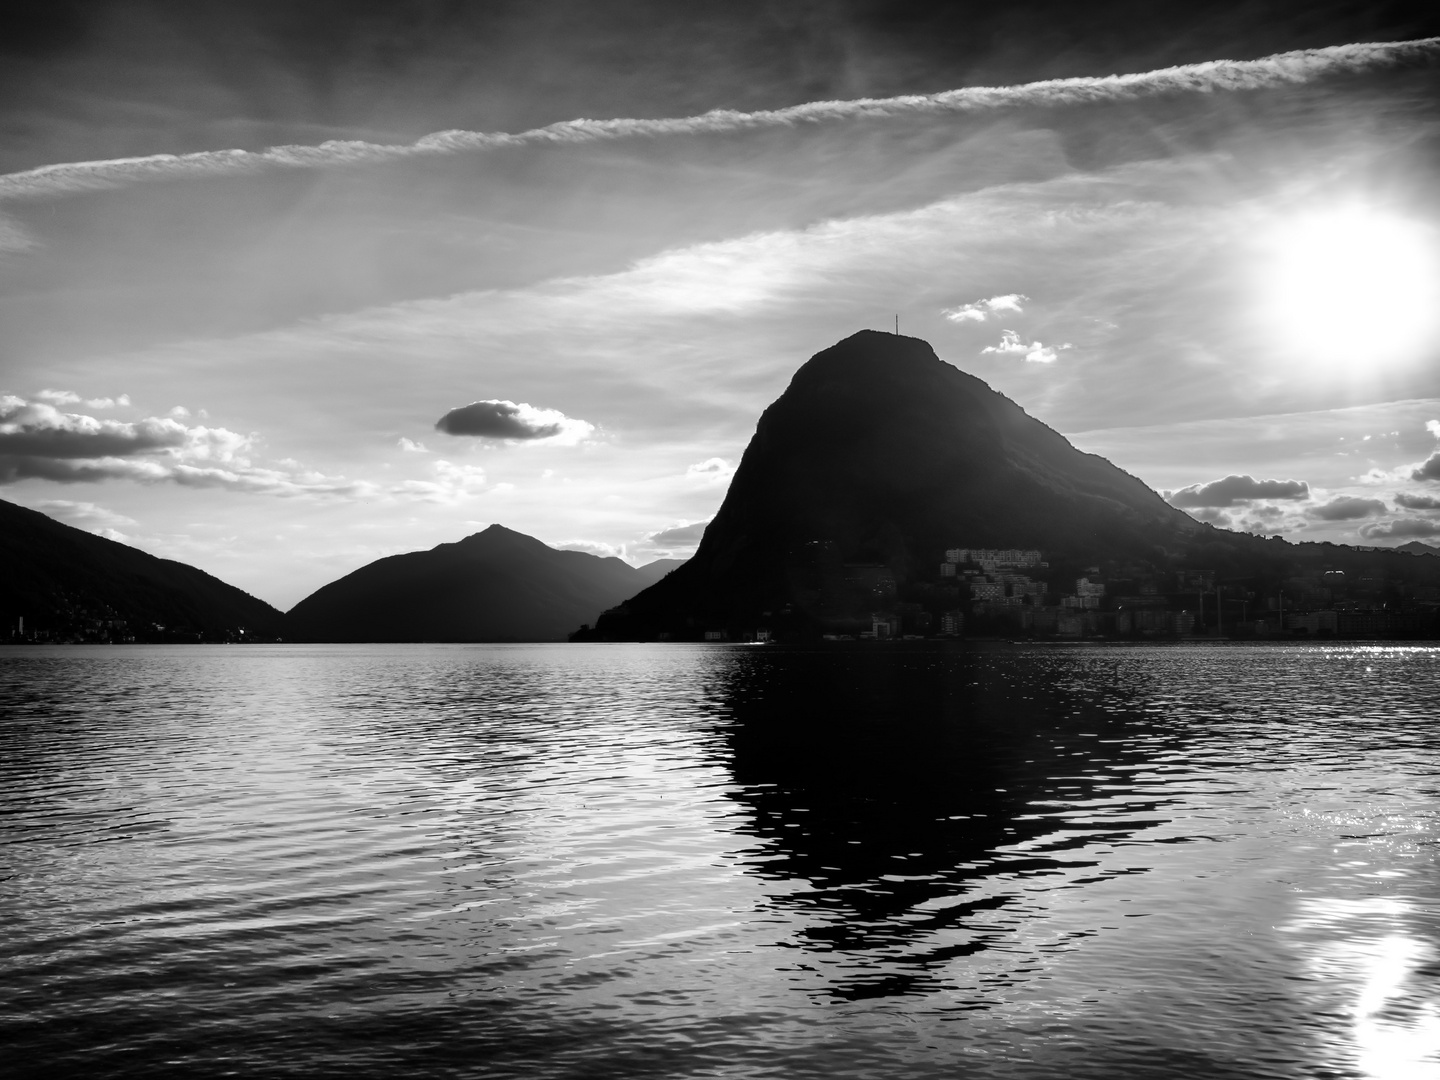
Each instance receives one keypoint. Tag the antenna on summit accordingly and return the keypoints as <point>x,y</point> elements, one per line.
<point>897,324</point>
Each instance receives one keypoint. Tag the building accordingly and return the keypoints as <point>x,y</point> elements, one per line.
<point>884,625</point>
<point>1312,622</point>
<point>994,556</point>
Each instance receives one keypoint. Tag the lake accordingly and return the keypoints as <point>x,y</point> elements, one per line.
<point>865,860</point>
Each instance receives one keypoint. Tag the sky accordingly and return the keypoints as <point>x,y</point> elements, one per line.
<point>288,288</point>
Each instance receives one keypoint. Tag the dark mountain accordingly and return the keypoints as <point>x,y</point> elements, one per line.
<point>497,585</point>
<point>68,584</point>
<point>878,458</point>
<point>1415,547</point>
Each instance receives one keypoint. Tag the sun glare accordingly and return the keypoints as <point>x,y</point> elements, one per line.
<point>1352,288</point>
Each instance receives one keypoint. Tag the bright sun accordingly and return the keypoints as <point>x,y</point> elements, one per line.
<point>1353,288</point>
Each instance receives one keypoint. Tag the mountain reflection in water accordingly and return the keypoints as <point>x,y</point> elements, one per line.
<point>717,860</point>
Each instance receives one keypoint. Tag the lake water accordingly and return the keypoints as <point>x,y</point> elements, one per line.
<point>722,861</point>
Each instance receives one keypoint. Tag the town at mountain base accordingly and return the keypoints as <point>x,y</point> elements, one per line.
<point>889,494</point>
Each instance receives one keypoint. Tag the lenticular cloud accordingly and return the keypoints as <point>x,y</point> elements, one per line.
<point>512,421</point>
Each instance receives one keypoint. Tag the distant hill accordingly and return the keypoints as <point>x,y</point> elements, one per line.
<point>1415,547</point>
<point>69,584</point>
<point>496,585</point>
<point>879,457</point>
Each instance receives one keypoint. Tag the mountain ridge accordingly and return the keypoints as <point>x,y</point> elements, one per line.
<point>68,584</point>
<point>876,460</point>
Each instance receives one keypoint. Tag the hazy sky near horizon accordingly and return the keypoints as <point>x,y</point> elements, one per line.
<point>287,288</point>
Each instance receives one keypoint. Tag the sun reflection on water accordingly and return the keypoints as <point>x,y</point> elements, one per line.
<point>1397,1025</point>
<point>1390,974</point>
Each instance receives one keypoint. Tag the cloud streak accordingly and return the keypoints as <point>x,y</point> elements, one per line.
<point>1301,66</point>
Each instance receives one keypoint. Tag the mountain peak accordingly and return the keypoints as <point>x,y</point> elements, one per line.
<point>880,454</point>
<point>494,585</point>
<point>872,354</point>
<point>499,535</point>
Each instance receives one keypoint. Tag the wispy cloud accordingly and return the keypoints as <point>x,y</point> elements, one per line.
<point>87,515</point>
<point>1212,76</point>
<point>981,310</point>
<point>448,484</point>
<point>679,535</point>
<point>69,397</point>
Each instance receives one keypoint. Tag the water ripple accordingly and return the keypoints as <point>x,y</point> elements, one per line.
<point>716,861</point>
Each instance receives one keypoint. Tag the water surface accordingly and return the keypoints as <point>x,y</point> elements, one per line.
<point>673,860</point>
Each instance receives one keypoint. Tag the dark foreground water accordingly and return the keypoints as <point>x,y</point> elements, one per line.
<point>720,861</point>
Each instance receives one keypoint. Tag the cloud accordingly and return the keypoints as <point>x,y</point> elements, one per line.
<point>1210,515</point>
<point>592,547</point>
<point>1210,76</point>
<point>39,429</point>
<point>38,441</point>
<point>1233,489</point>
<point>1400,527</point>
<point>14,238</point>
<point>57,397</point>
<point>711,469</point>
<point>980,310</point>
<point>86,515</point>
<point>410,446</point>
<point>1429,469</point>
<point>680,535</point>
<point>1417,502</point>
<point>513,422</point>
<point>69,397</point>
<point>1433,426</point>
<point>449,485</point>
<point>1347,508</point>
<point>1035,352</point>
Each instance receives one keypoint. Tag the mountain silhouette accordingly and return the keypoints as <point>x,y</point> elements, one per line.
<point>878,458</point>
<point>1415,547</point>
<point>68,584</point>
<point>495,585</point>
